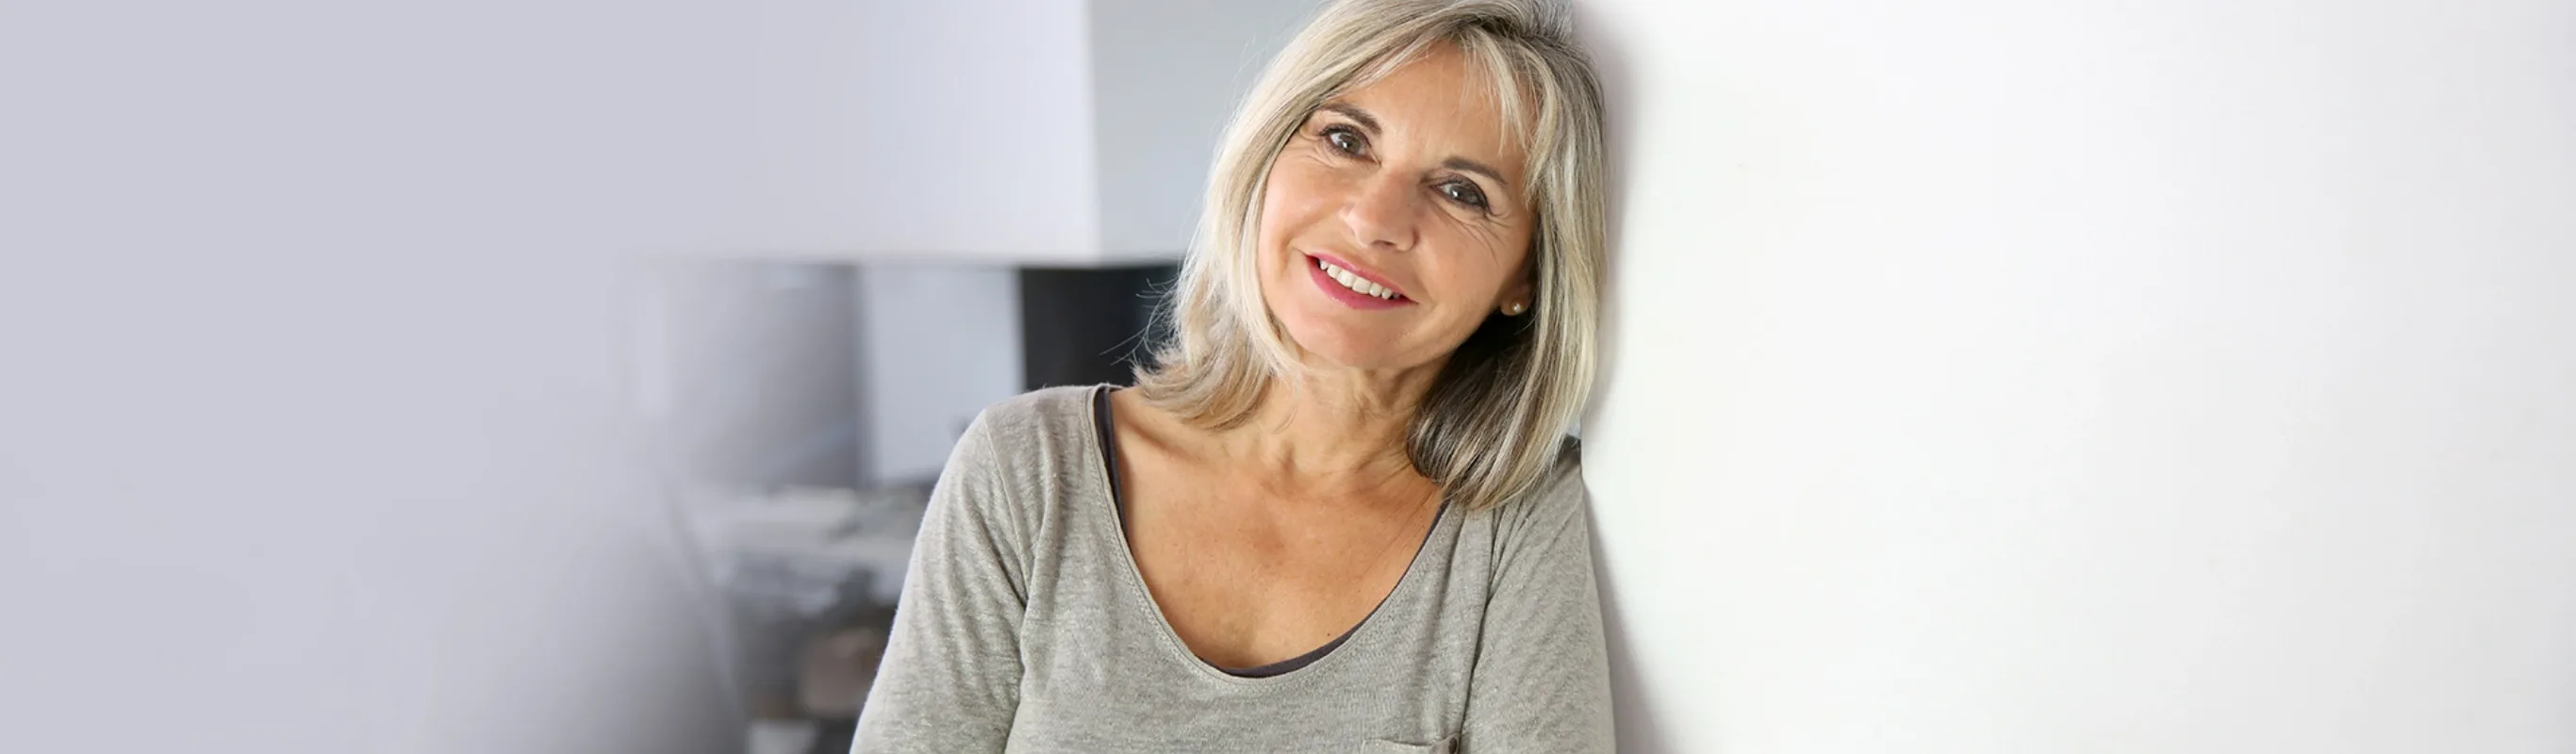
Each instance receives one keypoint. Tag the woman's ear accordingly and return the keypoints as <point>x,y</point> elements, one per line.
<point>1520,295</point>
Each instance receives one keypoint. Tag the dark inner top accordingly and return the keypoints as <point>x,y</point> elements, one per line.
<point>1109,458</point>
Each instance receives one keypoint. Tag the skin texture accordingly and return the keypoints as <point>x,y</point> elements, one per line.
<point>1265,541</point>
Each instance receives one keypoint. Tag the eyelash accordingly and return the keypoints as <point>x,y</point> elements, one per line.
<point>1471,196</point>
<point>1468,194</point>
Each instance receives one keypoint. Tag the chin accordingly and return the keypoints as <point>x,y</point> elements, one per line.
<point>1338,345</point>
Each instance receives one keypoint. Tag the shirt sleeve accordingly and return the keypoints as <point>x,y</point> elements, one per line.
<point>1542,677</point>
<point>951,675</point>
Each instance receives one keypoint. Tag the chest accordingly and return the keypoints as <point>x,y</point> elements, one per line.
<point>1248,576</point>
<point>1103,672</point>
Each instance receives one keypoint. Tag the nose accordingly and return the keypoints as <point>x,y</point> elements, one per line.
<point>1380,213</point>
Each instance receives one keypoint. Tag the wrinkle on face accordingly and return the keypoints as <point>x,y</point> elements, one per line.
<point>1459,263</point>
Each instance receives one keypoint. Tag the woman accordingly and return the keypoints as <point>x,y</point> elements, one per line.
<point>1340,511</point>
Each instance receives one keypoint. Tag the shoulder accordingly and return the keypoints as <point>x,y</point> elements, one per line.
<point>1024,440</point>
<point>1040,430</point>
<point>1553,506</point>
<point>1045,411</point>
<point>1020,457</point>
<point>1040,441</point>
<point>1561,488</point>
<point>1539,536</point>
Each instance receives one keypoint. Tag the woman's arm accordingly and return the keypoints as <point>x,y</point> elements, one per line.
<point>1542,681</point>
<point>950,681</point>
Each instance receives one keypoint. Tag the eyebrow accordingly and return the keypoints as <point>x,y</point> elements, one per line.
<point>1353,112</point>
<point>1369,123</point>
<point>1472,166</point>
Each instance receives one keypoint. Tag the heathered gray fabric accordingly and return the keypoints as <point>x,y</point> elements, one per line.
<point>1024,626</point>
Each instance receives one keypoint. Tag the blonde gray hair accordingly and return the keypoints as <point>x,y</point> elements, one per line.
<point>1489,428</point>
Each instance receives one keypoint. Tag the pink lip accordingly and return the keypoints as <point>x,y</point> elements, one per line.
<point>1357,270</point>
<point>1348,297</point>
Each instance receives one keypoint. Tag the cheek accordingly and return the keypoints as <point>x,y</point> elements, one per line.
<point>1481,272</point>
<point>1290,200</point>
<point>1511,268</point>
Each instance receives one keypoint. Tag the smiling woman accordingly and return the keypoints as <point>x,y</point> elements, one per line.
<point>1341,510</point>
<point>1386,193</point>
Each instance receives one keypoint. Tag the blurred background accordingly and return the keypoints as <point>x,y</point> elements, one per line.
<point>801,411</point>
<point>541,376</point>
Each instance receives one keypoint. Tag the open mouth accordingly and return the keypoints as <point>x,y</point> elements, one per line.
<point>1354,282</point>
<point>1352,288</point>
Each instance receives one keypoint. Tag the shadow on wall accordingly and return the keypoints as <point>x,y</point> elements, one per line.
<point>1639,730</point>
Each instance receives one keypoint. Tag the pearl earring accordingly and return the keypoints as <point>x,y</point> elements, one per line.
<point>1515,308</point>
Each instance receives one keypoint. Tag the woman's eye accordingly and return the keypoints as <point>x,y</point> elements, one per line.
<point>1465,193</point>
<point>1345,140</point>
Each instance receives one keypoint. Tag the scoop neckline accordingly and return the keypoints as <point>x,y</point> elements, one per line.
<point>1134,576</point>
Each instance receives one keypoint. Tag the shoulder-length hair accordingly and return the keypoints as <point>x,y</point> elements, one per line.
<point>1489,428</point>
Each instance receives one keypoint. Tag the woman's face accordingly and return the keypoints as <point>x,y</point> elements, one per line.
<point>1410,186</point>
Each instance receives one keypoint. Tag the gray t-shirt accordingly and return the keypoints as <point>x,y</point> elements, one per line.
<point>1025,627</point>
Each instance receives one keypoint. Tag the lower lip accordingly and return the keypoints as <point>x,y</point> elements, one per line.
<point>1348,297</point>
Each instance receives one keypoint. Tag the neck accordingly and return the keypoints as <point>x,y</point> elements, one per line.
<point>1335,430</point>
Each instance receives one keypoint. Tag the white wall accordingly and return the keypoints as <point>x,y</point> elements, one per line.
<point>2091,376</point>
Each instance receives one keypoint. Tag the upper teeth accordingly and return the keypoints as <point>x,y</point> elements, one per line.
<point>1355,282</point>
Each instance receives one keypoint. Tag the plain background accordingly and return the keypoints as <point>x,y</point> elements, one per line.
<point>314,420</point>
<point>2091,376</point>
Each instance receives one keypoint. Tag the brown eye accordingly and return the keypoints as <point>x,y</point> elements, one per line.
<point>1465,192</point>
<point>1345,140</point>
